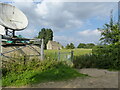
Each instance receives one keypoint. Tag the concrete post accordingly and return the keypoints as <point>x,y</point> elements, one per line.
<point>0,58</point>
<point>0,48</point>
<point>42,50</point>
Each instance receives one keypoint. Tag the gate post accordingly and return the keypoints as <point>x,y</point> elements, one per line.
<point>42,50</point>
<point>72,56</point>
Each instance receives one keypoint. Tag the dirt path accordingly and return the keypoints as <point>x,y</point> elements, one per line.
<point>99,79</point>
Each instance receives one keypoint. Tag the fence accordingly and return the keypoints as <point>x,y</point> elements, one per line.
<point>65,55</point>
<point>9,53</point>
<point>60,55</point>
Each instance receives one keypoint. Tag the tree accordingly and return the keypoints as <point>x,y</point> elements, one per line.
<point>46,34</point>
<point>81,45</point>
<point>90,45</point>
<point>110,32</point>
<point>67,46</point>
<point>70,46</point>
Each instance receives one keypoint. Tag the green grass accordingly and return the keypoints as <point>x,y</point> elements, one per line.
<point>59,73</point>
<point>36,71</point>
<point>77,52</point>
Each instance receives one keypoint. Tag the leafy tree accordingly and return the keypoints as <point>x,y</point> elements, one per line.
<point>110,33</point>
<point>81,45</point>
<point>46,34</point>
<point>90,45</point>
<point>67,46</point>
<point>70,46</point>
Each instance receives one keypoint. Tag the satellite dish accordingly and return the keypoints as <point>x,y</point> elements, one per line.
<point>2,30</point>
<point>12,18</point>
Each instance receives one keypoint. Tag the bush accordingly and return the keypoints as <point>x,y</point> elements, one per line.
<point>35,71</point>
<point>104,57</point>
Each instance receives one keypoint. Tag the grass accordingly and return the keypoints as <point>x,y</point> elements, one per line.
<point>36,71</point>
<point>59,73</point>
<point>77,52</point>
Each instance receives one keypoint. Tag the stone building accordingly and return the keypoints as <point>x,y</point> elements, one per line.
<point>54,45</point>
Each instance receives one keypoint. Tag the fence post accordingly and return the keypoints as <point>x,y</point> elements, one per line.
<point>24,58</point>
<point>42,50</point>
<point>58,54</point>
<point>0,50</point>
<point>0,56</point>
<point>72,56</point>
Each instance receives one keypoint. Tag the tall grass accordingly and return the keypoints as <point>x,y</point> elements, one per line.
<point>36,71</point>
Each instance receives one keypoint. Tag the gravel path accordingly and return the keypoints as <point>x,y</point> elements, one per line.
<point>99,79</point>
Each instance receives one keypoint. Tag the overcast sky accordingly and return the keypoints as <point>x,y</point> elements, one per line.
<point>75,22</point>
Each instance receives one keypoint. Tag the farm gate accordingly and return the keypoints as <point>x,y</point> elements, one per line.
<point>13,53</point>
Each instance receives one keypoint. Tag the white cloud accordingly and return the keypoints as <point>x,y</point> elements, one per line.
<point>64,40</point>
<point>61,16</point>
<point>86,36</point>
<point>88,33</point>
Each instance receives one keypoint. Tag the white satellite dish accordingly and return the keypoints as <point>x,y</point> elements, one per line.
<point>2,30</point>
<point>12,18</point>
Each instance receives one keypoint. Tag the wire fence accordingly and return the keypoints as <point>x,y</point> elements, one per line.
<point>60,56</point>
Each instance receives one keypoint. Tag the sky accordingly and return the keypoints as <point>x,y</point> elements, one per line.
<point>71,21</point>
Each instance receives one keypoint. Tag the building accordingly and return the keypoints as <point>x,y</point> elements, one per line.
<point>54,45</point>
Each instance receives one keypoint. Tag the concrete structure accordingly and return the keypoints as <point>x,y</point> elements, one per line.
<point>54,45</point>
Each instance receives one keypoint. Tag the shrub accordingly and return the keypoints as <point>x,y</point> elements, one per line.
<point>38,71</point>
<point>105,57</point>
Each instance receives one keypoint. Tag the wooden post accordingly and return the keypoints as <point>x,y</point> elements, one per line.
<point>42,50</point>
<point>0,57</point>
<point>58,54</point>
<point>24,59</point>
<point>72,56</point>
<point>0,50</point>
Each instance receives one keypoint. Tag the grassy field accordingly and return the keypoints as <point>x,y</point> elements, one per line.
<point>77,52</point>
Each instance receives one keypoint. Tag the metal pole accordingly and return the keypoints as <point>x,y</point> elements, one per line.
<point>0,48</point>
<point>42,50</point>
<point>0,57</point>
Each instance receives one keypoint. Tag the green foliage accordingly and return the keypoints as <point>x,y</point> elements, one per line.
<point>35,71</point>
<point>110,33</point>
<point>83,45</point>
<point>70,46</point>
<point>58,73</point>
<point>108,56</point>
<point>104,57</point>
<point>46,34</point>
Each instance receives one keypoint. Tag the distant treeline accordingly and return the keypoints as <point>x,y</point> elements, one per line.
<point>81,45</point>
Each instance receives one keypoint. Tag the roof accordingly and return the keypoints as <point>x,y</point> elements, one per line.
<point>54,43</point>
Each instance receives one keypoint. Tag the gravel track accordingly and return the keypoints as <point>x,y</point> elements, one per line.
<point>100,78</point>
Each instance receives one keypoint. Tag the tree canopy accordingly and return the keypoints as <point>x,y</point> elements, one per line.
<point>110,33</point>
<point>83,45</point>
<point>70,46</point>
<point>46,34</point>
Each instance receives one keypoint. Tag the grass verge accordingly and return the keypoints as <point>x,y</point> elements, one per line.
<point>58,73</point>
